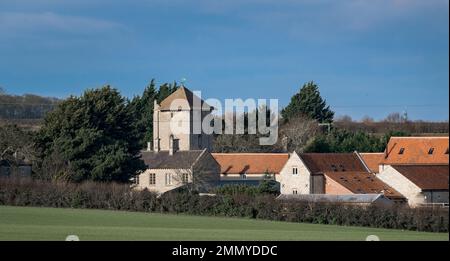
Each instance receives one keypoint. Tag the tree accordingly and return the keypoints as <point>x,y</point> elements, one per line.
<point>165,90</point>
<point>142,109</point>
<point>396,117</point>
<point>308,102</point>
<point>341,140</point>
<point>93,136</point>
<point>345,119</point>
<point>297,133</point>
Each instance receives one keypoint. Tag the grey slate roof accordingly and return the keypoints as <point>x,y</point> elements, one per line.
<point>162,159</point>
<point>353,198</point>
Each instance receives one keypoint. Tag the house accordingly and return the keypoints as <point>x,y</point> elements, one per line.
<point>417,167</point>
<point>420,184</point>
<point>332,174</point>
<point>416,150</point>
<point>249,168</point>
<point>168,171</point>
<point>14,163</point>
<point>180,154</point>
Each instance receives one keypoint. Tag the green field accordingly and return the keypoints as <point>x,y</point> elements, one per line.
<point>28,223</point>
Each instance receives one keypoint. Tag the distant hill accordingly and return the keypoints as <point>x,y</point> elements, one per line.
<point>25,107</point>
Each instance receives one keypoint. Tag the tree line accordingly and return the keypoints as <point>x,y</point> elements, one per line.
<point>27,106</point>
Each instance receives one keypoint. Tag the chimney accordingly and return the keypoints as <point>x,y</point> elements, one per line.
<point>285,143</point>
<point>156,146</point>
<point>156,138</point>
<point>171,145</point>
<point>149,146</point>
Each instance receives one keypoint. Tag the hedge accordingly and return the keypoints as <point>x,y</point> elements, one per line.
<point>112,196</point>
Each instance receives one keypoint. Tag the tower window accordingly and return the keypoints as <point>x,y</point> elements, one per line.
<point>430,151</point>
<point>136,179</point>
<point>294,171</point>
<point>168,179</point>
<point>401,151</point>
<point>152,179</point>
<point>185,178</point>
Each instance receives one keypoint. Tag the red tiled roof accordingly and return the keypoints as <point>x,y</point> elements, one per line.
<point>415,150</point>
<point>373,160</point>
<point>251,163</point>
<point>332,162</point>
<point>363,183</point>
<point>426,177</point>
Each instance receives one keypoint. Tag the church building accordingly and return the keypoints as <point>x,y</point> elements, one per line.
<point>181,153</point>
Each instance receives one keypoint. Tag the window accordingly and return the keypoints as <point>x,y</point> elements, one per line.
<point>152,179</point>
<point>294,192</point>
<point>168,179</point>
<point>294,171</point>
<point>185,178</point>
<point>446,151</point>
<point>334,167</point>
<point>430,151</point>
<point>171,115</point>
<point>136,179</point>
<point>401,151</point>
<point>243,176</point>
<point>179,108</point>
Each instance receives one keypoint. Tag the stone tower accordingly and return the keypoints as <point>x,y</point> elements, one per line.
<point>177,123</point>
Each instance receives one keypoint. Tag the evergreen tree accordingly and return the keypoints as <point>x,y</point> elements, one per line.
<point>93,136</point>
<point>165,90</point>
<point>308,102</point>
<point>142,108</point>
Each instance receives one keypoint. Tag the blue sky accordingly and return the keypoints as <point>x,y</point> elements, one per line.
<point>368,57</point>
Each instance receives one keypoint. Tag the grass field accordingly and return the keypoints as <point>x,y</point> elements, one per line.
<point>27,223</point>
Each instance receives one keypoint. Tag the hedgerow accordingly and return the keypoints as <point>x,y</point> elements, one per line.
<point>113,196</point>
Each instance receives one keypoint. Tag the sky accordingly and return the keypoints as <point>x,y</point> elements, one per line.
<point>369,58</point>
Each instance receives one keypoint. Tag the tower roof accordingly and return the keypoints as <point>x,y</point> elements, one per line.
<point>182,97</point>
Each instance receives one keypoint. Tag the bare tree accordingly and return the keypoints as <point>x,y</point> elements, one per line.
<point>297,133</point>
<point>394,117</point>
<point>367,119</point>
<point>343,118</point>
